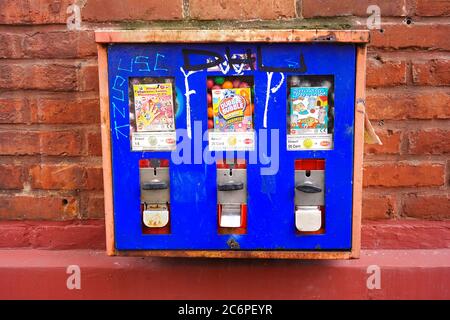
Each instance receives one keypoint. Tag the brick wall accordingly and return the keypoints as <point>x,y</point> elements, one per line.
<point>50,151</point>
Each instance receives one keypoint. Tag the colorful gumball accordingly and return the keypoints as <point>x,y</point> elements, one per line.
<point>227,85</point>
<point>245,95</point>
<point>210,124</point>
<point>215,87</point>
<point>209,98</point>
<point>243,85</point>
<point>209,83</point>
<point>210,113</point>
<point>236,83</point>
<point>248,110</point>
<point>219,80</point>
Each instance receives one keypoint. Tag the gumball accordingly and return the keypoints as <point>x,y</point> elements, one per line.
<point>227,85</point>
<point>246,96</point>
<point>236,83</point>
<point>243,85</point>
<point>208,98</point>
<point>215,87</point>
<point>219,80</point>
<point>210,124</point>
<point>210,113</point>
<point>295,81</point>
<point>209,83</point>
<point>248,110</point>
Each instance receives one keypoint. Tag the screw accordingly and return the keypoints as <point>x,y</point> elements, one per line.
<point>233,244</point>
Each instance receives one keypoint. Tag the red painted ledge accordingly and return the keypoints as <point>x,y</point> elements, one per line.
<point>90,234</point>
<point>41,274</point>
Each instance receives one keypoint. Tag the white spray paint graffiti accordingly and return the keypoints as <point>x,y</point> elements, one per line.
<point>188,100</point>
<point>269,90</point>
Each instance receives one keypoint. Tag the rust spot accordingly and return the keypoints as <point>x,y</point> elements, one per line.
<point>329,37</point>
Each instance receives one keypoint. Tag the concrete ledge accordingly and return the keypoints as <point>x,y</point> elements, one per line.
<point>41,274</point>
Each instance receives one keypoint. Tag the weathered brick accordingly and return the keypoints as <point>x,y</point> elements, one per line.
<point>244,10</point>
<point>88,79</point>
<point>423,36</point>
<point>13,110</point>
<point>11,45</point>
<point>33,11</point>
<point>433,8</point>
<point>55,235</point>
<point>378,206</point>
<point>410,104</point>
<point>38,75</point>
<point>86,235</point>
<point>405,234</point>
<point>391,143</point>
<point>331,8</point>
<point>56,108</point>
<point>94,142</point>
<point>381,73</point>
<point>429,141</point>
<point>64,44</point>
<point>93,206</point>
<point>12,235</point>
<point>31,207</point>
<point>60,143</point>
<point>66,177</point>
<point>11,176</point>
<point>94,178</point>
<point>64,109</point>
<point>17,142</point>
<point>432,72</point>
<point>57,177</point>
<point>131,10</point>
<point>421,206</point>
<point>404,174</point>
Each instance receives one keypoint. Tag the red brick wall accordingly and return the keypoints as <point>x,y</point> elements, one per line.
<point>50,150</point>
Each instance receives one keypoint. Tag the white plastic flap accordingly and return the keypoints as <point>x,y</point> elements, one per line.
<point>155,218</point>
<point>308,218</point>
<point>230,216</point>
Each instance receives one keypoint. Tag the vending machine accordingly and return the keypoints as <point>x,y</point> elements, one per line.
<point>233,143</point>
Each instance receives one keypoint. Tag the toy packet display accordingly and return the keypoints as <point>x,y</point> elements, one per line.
<point>309,110</point>
<point>232,110</point>
<point>154,108</point>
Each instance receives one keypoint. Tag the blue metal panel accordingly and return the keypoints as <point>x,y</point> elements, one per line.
<point>193,186</point>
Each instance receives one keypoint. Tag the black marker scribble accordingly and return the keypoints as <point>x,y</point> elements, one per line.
<point>261,67</point>
<point>187,61</point>
<point>238,61</point>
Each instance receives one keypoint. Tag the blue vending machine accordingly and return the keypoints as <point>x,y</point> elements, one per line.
<point>243,145</point>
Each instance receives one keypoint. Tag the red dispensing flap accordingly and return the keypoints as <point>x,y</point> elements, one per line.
<point>144,163</point>
<point>237,164</point>
<point>147,163</point>
<point>164,163</point>
<point>310,164</point>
